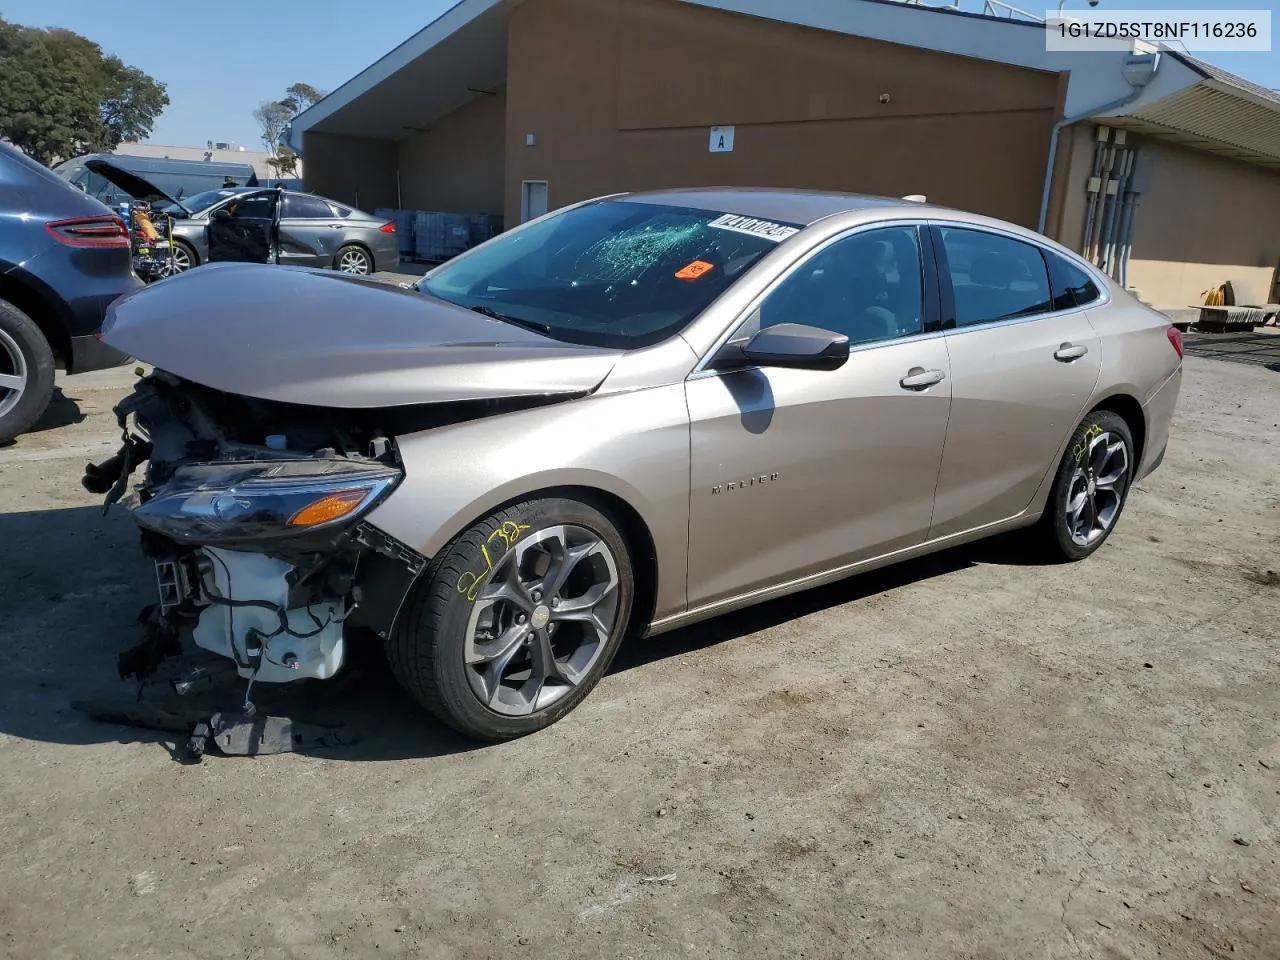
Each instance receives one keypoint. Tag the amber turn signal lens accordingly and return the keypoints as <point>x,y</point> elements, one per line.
<point>334,506</point>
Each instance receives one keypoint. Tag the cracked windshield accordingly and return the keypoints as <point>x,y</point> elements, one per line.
<point>616,273</point>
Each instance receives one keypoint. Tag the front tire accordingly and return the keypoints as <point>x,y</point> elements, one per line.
<point>26,372</point>
<point>184,258</point>
<point>517,620</point>
<point>1091,487</point>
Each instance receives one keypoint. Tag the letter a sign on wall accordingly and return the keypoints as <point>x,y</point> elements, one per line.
<point>722,139</point>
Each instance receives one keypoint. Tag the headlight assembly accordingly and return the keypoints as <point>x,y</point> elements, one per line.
<point>261,500</point>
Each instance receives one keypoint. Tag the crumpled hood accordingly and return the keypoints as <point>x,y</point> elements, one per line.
<point>327,339</point>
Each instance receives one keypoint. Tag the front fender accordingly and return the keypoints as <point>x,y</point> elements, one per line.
<point>634,446</point>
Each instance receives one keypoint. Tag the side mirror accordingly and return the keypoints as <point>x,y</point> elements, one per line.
<point>792,345</point>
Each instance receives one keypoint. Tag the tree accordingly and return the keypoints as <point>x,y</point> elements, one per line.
<point>273,118</point>
<point>300,96</point>
<point>284,163</point>
<point>60,96</point>
<point>132,103</point>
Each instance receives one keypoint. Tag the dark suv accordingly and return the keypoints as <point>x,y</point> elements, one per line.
<point>63,257</point>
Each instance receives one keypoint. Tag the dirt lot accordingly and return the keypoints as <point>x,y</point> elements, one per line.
<point>966,756</point>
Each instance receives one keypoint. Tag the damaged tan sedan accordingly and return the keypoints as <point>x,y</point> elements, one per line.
<point>623,417</point>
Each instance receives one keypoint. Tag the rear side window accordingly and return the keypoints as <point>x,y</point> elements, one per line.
<point>299,206</point>
<point>1072,287</point>
<point>994,277</point>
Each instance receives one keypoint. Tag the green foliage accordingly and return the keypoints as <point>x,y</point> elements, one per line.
<point>274,116</point>
<point>300,96</point>
<point>284,164</point>
<point>60,96</point>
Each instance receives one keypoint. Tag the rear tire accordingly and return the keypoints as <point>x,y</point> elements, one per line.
<point>1090,489</point>
<point>353,259</point>
<point>26,372</point>
<point>516,620</point>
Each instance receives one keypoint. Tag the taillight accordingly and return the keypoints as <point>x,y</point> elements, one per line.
<point>90,232</point>
<point>1175,338</point>
<point>387,228</point>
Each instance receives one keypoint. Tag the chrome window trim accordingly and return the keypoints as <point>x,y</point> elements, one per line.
<point>1104,291</point>
<point>701,369</point>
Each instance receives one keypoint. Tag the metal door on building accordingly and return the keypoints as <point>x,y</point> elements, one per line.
<point>533,199</point>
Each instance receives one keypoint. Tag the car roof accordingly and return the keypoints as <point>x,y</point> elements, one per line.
<point>784,205</point>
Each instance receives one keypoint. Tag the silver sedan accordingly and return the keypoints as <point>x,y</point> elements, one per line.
<point>622,417</point>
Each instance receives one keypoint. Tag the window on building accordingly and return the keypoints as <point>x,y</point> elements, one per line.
<point>995,277</point>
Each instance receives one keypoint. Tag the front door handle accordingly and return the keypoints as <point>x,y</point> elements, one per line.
<point>918,378</point>
<point>1068,352</point>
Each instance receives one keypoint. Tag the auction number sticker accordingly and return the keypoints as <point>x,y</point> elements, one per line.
<point>777,232</point>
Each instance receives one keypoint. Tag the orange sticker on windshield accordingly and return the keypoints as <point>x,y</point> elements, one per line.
<point>694,270</point>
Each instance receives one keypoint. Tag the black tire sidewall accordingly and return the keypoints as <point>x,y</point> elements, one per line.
<point>439,629</point>
<point>1055,515</point>
<point>38,357</point>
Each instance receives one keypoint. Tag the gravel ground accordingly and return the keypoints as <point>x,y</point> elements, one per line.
<point>966,756</point>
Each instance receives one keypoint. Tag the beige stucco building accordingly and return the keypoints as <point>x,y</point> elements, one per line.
<point>514,106</point>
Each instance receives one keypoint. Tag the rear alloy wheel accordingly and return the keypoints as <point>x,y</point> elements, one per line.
<point>353,259</point>
<point>518,619</point>
<point>26,372</point>
<point>1091,487</point>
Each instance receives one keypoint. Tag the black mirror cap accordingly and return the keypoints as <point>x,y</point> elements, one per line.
<point>793,345</point>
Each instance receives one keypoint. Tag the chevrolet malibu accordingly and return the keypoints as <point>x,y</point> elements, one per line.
<point>625,416</point>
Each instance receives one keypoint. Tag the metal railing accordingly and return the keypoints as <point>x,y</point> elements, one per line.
<point>996,8</point>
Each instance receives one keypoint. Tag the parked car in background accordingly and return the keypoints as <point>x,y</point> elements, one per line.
<point>263,226</point>
<point>630,414</point>
<point>63,257</point>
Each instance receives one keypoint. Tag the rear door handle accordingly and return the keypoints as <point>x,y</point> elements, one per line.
<point>918,378</point>
<point>1068,352</point>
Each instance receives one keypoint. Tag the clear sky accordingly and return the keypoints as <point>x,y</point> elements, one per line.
<point>220,60</point>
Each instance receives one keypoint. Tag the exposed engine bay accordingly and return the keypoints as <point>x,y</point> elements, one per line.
<point>250,510</point>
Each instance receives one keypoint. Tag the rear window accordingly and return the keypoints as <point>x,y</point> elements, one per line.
<point>1072,287</point>
<point>613,273</point>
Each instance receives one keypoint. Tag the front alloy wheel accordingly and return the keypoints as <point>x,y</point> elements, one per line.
<point>518,619</point>
<point>541,619</point>
<point>179,261</point>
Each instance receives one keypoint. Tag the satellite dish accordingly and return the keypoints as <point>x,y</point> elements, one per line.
<point>916,198</point>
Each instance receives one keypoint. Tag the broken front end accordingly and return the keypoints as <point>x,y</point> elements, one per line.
<point>252,511</point>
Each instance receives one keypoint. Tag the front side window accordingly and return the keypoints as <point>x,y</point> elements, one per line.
<point>255,206</point>
<point>867,286</point>
<point>994,277</point>
<point>616,273</point>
